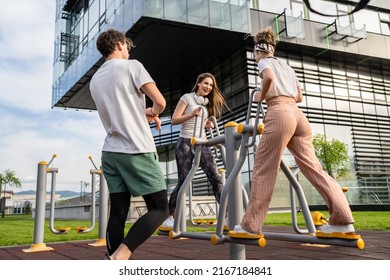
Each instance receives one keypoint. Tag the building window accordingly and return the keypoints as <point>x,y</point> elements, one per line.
<point>384,23</point>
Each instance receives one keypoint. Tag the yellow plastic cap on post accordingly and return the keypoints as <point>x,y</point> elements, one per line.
<point>240,128</point>
<point>260,128</point>
<point>231,124</point>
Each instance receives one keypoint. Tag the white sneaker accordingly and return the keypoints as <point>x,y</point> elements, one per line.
<point>168,223</point>
<point>334,228</point>
<point>239,229</point>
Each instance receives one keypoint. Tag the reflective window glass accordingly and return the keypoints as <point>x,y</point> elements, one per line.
<point>328,104</point>
<point>324,69</point>
<point>356,107</point>
<point>313,102</point>
<point>341,91</point>
<point>380,97</point>
<point>354,93</point>
<point>367,95</point>
<point>342,105</point>
<point>338,72</point>
<point>326,8</point>
<point>341,133</point>
<point>368,18</point>
<point>310,66</point>
<point>385,28</point>
<point>297,9</point>
<point>312,88</point>
<point>317,128</point>
<point>295,63</point>
<point>273,6</point>
<point>369,108</point>
<point>381,110</point>
<point>326,89</point>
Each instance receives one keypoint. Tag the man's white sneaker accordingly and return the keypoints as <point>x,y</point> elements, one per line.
<point>337,228</point>
<point>168,223</point>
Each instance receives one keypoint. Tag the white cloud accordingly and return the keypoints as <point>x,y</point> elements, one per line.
<point>27,139</point>
<point>26,53</point>
<point>30,131</point>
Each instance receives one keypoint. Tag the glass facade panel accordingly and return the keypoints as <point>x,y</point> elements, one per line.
<point>313,102</point>
<point>309,87</point>
<point>272,6</point>
<point>326,8</point>
<point>93,16</point>
<point>198,11</point>
<point>297,9</point>
<point>342,92</point>
<point>241,17</point>
<point>329,104</point>
<point>368,19</point>
<point>341,133</point>
<point>317,128</point>
<point>369,109</point>
<point>385,27</point>
<point>356,107</point>
<point>327,89</point>
<point>374,21</point>
<point>220,14</point>
<point>342,105</point>
<point>381,110</point>
<point>175,10</point>
<point>367,95</point>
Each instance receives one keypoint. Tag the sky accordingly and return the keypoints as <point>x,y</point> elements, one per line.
<point>30,130</point>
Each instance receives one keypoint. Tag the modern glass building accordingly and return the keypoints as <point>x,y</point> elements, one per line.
<point>342,62</point>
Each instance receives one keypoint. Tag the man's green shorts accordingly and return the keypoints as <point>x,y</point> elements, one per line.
<point>139,174</point>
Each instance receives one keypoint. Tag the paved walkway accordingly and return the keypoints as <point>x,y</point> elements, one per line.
<point>377,247</point>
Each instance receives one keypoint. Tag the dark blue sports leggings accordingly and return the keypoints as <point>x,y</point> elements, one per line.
<point>184,159</point>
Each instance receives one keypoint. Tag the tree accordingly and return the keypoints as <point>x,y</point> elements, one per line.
<point>333,155</point>
<point>8,178</point>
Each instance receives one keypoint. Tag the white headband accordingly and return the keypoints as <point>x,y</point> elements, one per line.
<point>264,47</point>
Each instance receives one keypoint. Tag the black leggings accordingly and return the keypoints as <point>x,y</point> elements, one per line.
<point>184,160</point>
<point>143,228</point>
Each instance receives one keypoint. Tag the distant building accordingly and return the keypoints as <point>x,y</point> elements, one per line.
<point>343,65</point>
<point>20,203</point>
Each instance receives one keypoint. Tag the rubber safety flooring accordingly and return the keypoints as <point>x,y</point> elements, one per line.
<point>160,247</point>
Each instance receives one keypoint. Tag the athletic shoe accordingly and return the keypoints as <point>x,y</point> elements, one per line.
<point>168,223</point>
<point>337,228</point>
<point>239,229</point>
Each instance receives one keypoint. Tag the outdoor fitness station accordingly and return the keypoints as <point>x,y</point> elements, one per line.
<point>236,141</point>
<point>39,222</point>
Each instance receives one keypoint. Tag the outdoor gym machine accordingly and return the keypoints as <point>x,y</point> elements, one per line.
<point>236,142</point>
<point>39,220</point>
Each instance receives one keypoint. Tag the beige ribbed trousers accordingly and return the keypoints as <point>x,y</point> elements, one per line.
<point>286,126</point>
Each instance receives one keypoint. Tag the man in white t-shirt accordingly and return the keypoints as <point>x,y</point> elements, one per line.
<point>129,157</point>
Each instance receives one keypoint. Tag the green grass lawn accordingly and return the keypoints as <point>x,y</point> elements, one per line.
<point>19,229</point>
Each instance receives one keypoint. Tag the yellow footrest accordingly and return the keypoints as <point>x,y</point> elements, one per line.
<point>164,228</point>
<point>63,229</point>
<point>341,235</point>
<point>261,242</point>
<point>199,222</point>
<point>81,229</point>
<point>233,234</point>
